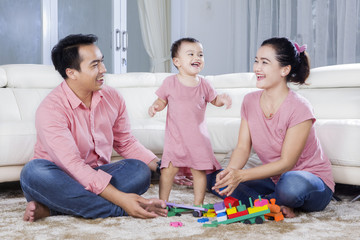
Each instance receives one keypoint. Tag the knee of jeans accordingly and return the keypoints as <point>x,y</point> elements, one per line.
<point>36,169</point>
<point>139,168</point>
<point>289,190</point>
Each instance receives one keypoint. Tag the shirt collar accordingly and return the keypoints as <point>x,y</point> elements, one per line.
<point>75,101</point>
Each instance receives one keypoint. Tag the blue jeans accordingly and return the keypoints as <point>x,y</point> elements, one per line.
<point>296,189</point>
<point>44,182</point>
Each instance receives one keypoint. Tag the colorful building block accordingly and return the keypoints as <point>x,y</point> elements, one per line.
<point>231,202</point>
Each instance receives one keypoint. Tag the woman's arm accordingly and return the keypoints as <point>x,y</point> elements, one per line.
<point>238,158</point>
<point>293,145</point>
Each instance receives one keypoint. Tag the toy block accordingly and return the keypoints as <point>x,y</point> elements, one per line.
<point>209,214</point>
<point>221,214</point>
<point>230,211</point>
<point>219,206</point>
<point>260,202</point>
<point>176,224</point>
<point>238,214</point>
<point>274,216</point>
<point>210,225</point>
<point>222,218</point>
<point>231,202</point>
<point>257,209</point>
<point>203,220</point>
<point>241,207</point>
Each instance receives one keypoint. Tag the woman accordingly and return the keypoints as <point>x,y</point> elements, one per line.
<point>278,124</point>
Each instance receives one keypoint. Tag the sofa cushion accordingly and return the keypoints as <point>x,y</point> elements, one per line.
<point>334,103</point>
<point>342,75</point>
<point>17,140</point>
<point>31,76</point>
<point>340,140</point>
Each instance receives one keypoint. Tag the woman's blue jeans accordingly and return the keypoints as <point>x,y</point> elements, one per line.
<point>295,189</point>
<point>44,182</point>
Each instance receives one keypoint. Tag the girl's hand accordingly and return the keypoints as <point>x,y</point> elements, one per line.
<point>221,100</point>
<point>153,109</point>
<point>227,181</point>
<point>226,100</point>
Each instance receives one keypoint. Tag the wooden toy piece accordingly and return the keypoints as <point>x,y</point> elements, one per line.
<point>241,207</point>
<point>260,202</point>
<point>257,216</point>
<point>219,206</point>
<point>275,211</point>
<point>176,224</point>
<point>238,214</point>
<point>254,209</point>
<point>231,202</point>
<point>176,209</point>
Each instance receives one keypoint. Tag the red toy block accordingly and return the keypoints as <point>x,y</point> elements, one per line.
<point>231,202</point>
<point>238,214</point>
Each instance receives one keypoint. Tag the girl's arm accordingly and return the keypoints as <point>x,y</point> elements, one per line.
<point>157,106</point>
<point>293,145</point>
<point>221,100</point>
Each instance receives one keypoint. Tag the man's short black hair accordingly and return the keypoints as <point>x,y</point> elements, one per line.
<point>65,54</point>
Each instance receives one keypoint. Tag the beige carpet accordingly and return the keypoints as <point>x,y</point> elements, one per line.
<point>340,220</point>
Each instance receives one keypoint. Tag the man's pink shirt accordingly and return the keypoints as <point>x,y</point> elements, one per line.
<point>268,134</point>
<point>78,139</point>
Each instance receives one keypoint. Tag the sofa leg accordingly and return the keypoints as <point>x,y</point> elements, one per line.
<point>336,198</point>
<point>356,198</point>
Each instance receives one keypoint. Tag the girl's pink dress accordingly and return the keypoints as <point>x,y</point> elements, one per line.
<point>187,142</point>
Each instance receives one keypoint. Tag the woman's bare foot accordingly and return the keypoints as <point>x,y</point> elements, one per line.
<point>35,211</point>
<point>287,212</point>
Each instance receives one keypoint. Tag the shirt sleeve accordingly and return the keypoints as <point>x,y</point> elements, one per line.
<point>211,92</point>
<point>162,92</point>
<point>302,111</point>
<point>53,131</point>
<point>124,142</point>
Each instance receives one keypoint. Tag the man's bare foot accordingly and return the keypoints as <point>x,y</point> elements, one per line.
<point>287,212</point>
<point>35,211</point>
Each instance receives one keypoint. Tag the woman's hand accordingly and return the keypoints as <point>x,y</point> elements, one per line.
<point>227,181</point>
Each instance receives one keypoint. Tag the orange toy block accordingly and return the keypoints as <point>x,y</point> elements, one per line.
<point>275,211</point>
<point>274,216</point>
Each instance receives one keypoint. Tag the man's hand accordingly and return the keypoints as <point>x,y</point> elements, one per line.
<point>139,207</point>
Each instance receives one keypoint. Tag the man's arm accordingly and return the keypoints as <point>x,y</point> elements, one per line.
<point>135,205</point>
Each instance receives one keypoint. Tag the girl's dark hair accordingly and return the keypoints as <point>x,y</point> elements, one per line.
<point>176,45</point>
<point>65,54</point>
<point>287,54</point>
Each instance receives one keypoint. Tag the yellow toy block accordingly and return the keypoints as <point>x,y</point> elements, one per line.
<point>230,211</point>
<point>257,209</point>
<point>209,214</point>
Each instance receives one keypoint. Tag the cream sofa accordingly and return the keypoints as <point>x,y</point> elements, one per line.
<point>334,92</point>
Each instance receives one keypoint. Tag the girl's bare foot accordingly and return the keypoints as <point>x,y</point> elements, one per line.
<point>287,212</point>
<point>35,211</point>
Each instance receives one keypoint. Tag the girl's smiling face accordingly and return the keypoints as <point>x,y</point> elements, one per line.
<point>190,58</point>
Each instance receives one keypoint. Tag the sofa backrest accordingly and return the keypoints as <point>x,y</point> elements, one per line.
<point>334,91</point>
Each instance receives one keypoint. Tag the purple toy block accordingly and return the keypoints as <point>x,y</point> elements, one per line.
<point>219,206</point>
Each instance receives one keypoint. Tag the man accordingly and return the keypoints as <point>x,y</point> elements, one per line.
<point>78,124</point>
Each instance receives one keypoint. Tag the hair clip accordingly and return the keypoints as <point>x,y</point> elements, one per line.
<point>300,49</point>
